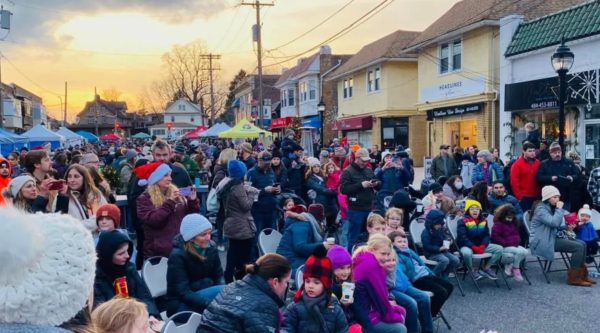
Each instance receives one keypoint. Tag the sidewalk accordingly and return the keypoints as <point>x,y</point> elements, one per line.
<point>419,175</point>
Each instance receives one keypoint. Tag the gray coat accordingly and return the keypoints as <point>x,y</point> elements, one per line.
<point>239,223</point>
<point>544,225</point>
<point>297,318</point>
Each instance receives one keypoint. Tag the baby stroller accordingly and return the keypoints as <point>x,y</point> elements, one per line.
<point>281,198</point>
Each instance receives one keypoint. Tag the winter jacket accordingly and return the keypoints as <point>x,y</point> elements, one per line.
<point>449,192</point>
<point>466,173</point>
<point>298,318</point>
<point>354,314</point>
<point>190,166</point>
<point>249,163</point>
<point>523,179</point>
<point>472,231</point>
<point>497,201</point>
<point>324,196</point>
<point>246,306</point>
<point>359,198</point>
<point>108,159</point>
<point>60,169</point>
<point>126,172</point>
<point>432,239</point>
<point>39,204</point>
<point>406,264</point>
<point>220,172</point>
<point>286,146</point>
<point>300,238</point>
<point>117,163</point>
<point>505,234</point>
<point>534,137</point>
<point>430,202</point>
<point>437,167</point>
<point>186,275</point>
<point>260,180</point>
<point>402,200</point>
<point>392,179</point>
<point>586,232</point>
<point>494,173</point>
<point>161,224</point>
<point>281,176</point>
<point>565,167</point>
<point>544,225</point>
<point>295,175</point>
<point>593,186</point>
<point>238,223</point>
<point>69,205</point>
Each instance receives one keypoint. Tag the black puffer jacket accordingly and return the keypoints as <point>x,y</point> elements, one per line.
<point>563,168</point>
<point>186,275</point>
<point>295,176</point>
<point>246,306</point>
<point>359,198</point>
<point>297,318</point>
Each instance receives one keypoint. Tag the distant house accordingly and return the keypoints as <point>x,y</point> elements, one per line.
<point>22,109</point>
<point>183,117</point>
<point>142,121</point>
<point>107,114</point>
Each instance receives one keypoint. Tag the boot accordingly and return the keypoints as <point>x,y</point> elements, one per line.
<point>574,278</point>
<point>586,275</point>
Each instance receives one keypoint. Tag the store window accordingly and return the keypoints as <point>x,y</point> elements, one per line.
<point>592,147</point>
<point>394,132</point>
<point>362,138</point>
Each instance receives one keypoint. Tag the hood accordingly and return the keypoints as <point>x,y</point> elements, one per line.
<point>224,186</point>
<point>108,244</point>
<point>404,202</point>
<point>123,163</point>
<point>4,181</point>
<point>293,218</point>
<point>435,216</point>
<point>178,242</point>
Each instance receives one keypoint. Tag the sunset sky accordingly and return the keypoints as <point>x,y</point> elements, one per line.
<point>91,43</point>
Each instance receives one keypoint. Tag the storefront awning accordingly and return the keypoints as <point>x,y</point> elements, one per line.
<point>353,123</point>
<point>311,122</point>
<point>281,122</point>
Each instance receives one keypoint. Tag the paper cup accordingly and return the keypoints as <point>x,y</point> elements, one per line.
<point>331,240</point>
<point>347,290</point>
<point>447,244</point>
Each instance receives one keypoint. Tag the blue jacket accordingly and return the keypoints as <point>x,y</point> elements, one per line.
<point>325,196</point>
<point>471,233</point>
<point>393,179</point>
<point>402,281</point>
<point>249,163</point>
<point>478,173</point>
<point>286,146</point>
<point>299,318</point>
<point>261,179</point>
<point>297,243</point>
<point>586,232</point>
<point>406,264</point>
<point>117,163</point>
<point>498,201</point>
<point>431,238</point>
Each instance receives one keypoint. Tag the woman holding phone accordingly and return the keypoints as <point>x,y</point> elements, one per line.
<point>22,193</point>
<point>391,172</point>
<point>81,199</point>
<point>162,207</point>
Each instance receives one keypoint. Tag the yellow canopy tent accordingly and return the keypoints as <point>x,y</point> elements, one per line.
<point>244,129</point>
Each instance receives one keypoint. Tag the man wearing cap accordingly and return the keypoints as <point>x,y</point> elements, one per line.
<point>437,200</point>
<point>443,164</point>
<point>108,158</point>
<point>559,172</point>
<point>246,155</point>
<point>357,182</point>
<point>89,160</point>
<point>296,169</point>
<point>190,165</point>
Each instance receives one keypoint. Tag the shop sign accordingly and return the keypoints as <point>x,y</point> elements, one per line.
<point>281,122</point>
<point>583,89</point>
<point>353,123</point>
<point>472,86</point>
<point>427,160</point>
<point>254,112</point>
<point>456,110</point>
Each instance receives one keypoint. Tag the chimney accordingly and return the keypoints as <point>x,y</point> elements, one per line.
<point>325,49</point>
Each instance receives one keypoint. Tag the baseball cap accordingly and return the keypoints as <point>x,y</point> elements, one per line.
<point>265,156</point>
<point>363,154</point>
<point>444,147</point>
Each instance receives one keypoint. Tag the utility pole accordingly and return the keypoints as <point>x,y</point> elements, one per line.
<point>65,115</point>
<point>96,109</point>
<point>257,6</point>
<point>212,94</point>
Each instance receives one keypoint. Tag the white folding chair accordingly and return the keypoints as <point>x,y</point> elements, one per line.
<point>154,274</point>
<point>440,315</point>
<point>268,241</point>
<point>190,326</point>
<point>300,276</point>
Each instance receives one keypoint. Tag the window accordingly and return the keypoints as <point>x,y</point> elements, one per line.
<point>104,120</point>
<point>348,87</point>
<point>450,55</point>
<point>103,110</point>
<point>303,91</point>
<point>91,109</point>
<point>283,98</point>
<point>181,107</point>
<point>290,97</point>
<point>313,89</point>
<point>158,132</point>
<point>377,79</point>
<point>192,119</point>
<point>373,80</point>
<point>172,119</point>
<point>90,120</point>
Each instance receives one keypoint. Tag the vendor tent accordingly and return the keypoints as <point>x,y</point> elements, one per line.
<point>73,139</point>
<point>110,137</point>
<point>88,136</point>
<point>38,135</point>
<point>195,133</point>
<point>215,130</point>
<point>244,129</point>
<point>10,141</point>
<point>141,135</point>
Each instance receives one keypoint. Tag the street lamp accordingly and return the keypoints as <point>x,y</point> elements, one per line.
<point>321,108</point>
<point>562,61</point>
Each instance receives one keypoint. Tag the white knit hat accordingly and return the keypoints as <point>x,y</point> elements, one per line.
<point>548,192</point>
<point>17,183</point>
<point>193,225</point>
<point>313,161</point>
<point>585,210</point>
<point>47,267</point>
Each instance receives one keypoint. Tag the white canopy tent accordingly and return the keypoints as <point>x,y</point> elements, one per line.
<point>71,137</point>
<point>215,130</point>
<point>38,135</point>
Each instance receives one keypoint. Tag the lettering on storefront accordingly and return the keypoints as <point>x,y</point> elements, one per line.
<point>472,86</point>
<point>457,110</point>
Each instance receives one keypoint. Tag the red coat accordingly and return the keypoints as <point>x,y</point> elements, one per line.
<point>522,179</point>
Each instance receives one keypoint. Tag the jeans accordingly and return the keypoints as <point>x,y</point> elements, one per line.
<point>262,220</point>
<point>494,249</point>
<point>418,309</point>
<point>577,248</point>
<point>356,219</point>
<point>390,328</point>
<point>447,263</point>
<point>441,289</point>
<point>210,293</point>
<point>592,247</point>
<point>520,254</point>
<point>238,255</point>
<point>345,230</point>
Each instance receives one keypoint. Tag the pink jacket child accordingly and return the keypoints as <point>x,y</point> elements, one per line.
<point>333,183</point>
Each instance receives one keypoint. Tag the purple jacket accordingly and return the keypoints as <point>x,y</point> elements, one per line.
<point>162,224</point>
<point>371,291</point>
<point>505,234</point>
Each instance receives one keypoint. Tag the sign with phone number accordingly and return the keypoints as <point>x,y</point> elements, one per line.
<point>544,105</point>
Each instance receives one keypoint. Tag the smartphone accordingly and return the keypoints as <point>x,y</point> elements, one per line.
<point>56,185</point>
<point>185,191</point>
<point>276,185</point>
<point>373,181</point>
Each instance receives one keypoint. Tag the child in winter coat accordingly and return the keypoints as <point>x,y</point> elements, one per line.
<point>505,233</point>
<point>108,218</point>
<point>341,262</point>
<point>394,220</point>
<point>313,309</point>
<point>333,173</point>
<point>586,232</point>
<point>432,239</point>
<point>289,203</point>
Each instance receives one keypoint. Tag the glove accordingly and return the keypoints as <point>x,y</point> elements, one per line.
<point>478,249</point>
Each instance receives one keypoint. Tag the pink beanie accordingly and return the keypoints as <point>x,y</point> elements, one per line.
<point>339,257</point>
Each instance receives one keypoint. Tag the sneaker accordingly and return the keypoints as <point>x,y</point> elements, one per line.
<point>221,248</point>
<point>489,274</point>
<point>451,275</point>
<point>518,276</point>
<point>508,270</point>
<point>589,260</point>
<point>476,276</point>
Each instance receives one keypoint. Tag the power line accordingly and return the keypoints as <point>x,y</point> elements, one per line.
<point>239,31</point>
<point>25,76</point>
<point>228,28</point>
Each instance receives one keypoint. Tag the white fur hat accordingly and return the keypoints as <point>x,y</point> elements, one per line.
<point>47,267</point>
<point>584,210</point>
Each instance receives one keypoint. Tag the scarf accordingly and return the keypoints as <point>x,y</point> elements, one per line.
<point>390,280</point>
<point>316,228</point>
<point>200,250</point>
<point>314,305</point>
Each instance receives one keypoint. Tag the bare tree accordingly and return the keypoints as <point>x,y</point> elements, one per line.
<point>111,94</point>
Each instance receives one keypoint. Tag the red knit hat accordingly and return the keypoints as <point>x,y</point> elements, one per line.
<point>151,173</point>
<point>111,211</point>
<point>317,211</point>
<point>318,266</point>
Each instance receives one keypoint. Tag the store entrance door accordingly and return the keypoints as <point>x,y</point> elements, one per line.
<point>462,133</point>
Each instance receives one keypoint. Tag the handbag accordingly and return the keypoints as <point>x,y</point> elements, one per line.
<point>212,202</point>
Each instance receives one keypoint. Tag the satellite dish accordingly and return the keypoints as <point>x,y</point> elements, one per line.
<point>77,120</point>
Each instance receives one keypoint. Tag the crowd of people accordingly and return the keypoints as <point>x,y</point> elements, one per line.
<point>344,215</point>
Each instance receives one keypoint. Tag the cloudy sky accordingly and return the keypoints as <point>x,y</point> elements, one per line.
<point>92,43</point>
